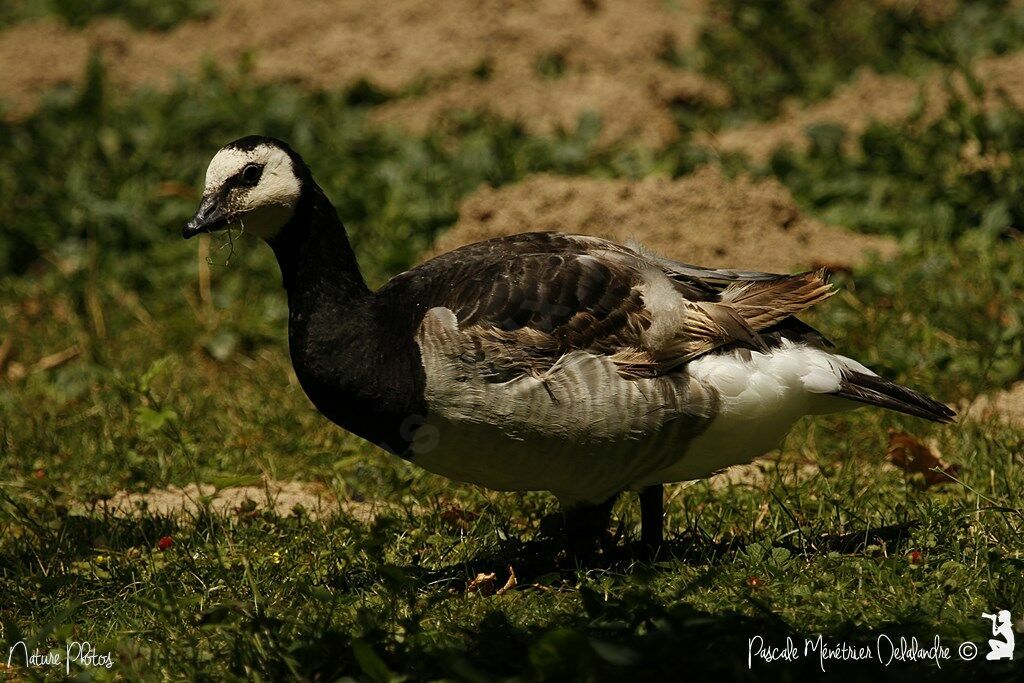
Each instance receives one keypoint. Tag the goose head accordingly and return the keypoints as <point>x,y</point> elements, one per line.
<point>254,184</point>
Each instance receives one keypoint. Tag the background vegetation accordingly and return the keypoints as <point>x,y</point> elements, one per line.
<point>172,383</point>
<point>143,14</point>
<point>767,51</point>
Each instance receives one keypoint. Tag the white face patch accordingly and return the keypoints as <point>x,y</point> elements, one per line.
<point>265,208</point>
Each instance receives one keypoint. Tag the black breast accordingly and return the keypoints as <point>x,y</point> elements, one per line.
<point>361,368</point>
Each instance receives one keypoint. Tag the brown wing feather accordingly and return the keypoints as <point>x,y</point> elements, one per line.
<point>764,303</point>
<point>527,300</point>
<point>743,311</point>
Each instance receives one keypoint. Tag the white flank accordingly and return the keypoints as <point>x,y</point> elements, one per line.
<point>584,432</point>
<point>759,400</point>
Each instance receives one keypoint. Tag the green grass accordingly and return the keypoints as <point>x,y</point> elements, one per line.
<point>142,14</point>
<point>171,387</point>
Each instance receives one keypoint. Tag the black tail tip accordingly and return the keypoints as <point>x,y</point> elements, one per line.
<point>878,391</point>
<point>945,414</point>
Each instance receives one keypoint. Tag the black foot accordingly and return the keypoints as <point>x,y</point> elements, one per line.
<point>652,515</point>
<point>586,527</point>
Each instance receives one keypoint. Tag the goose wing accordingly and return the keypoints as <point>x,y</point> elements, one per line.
<point>524,302</point>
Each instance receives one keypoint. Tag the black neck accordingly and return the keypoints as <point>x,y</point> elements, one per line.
<point>314,253</point>
<point>350,350</point>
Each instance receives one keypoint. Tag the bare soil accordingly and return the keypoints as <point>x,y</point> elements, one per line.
<point>1006,406</point>
<point>704,218</point>
<point>611,61</point>
<point>608,54</point>
<point>759,474</point>
<point>283,498</point>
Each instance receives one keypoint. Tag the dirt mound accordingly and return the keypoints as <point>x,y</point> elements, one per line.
<point>704,218</point>
<point>1007,406</point>
<point>281,497</point>
<point>608,61</point>
<point>546,61</point>
<point>871,97</point>
<point>631,102</point>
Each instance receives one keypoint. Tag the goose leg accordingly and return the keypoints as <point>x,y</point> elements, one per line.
<point>652,515</point>
<point>585,524</point>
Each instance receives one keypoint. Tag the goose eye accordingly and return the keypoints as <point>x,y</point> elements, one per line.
<point>251,174</point>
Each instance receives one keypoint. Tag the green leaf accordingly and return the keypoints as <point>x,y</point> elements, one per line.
<point>155,369</point>
<point>371,664</point>
<point>150,420</point>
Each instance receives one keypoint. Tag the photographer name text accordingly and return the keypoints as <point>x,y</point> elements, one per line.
<point>885,651</point>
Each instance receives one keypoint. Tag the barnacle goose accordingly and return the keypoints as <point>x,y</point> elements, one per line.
<point>542,361</point>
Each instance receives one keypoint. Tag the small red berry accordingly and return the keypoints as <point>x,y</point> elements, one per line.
<point>753,581</point>
<point>165,542</point>
<point>915,557</point>
<point>40,473</point>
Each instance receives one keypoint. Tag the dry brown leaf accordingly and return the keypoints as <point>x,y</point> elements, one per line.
<point>483,583</point>
<point>908,453</point>
<point>457,517</point>
<point>510,584</point>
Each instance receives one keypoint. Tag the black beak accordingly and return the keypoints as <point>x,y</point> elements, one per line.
<point>209,217</point>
